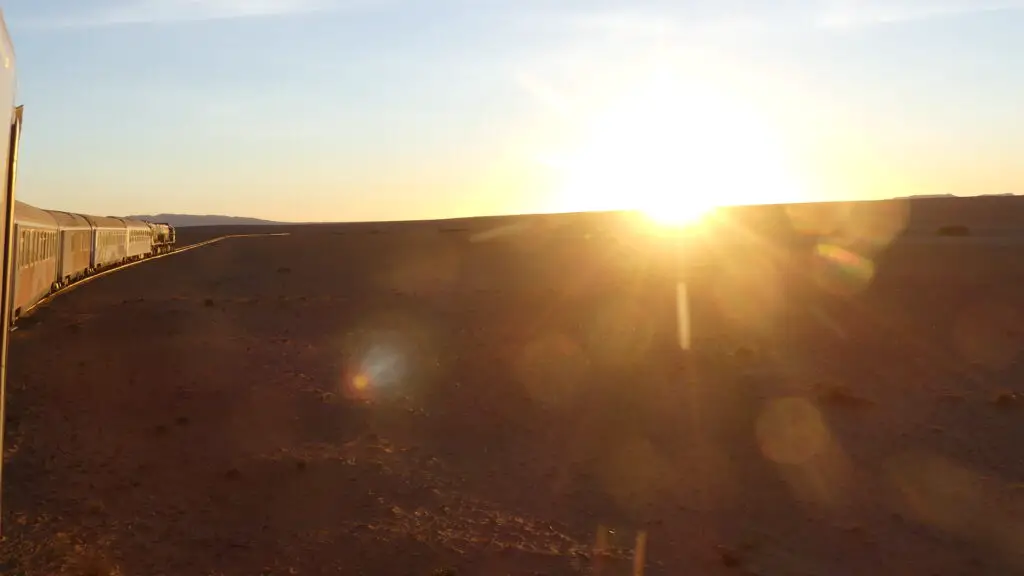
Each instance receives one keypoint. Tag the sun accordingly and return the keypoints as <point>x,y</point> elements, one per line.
<point>677,212</point>
<point>675,151</point>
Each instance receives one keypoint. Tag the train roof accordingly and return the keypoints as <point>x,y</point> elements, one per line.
<point>69,220</point>
<point>135,224</point>
<point>25,214</point>
<point>105,222</point>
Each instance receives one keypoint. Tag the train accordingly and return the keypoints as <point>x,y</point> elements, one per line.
<point>48,250</point>
<point>54,249</point>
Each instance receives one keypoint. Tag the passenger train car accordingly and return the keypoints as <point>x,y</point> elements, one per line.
<point>8,158</point>
<point>54,249</point>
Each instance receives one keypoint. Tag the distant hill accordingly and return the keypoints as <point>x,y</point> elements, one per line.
<point>186,220</point>
<point>916,196</point>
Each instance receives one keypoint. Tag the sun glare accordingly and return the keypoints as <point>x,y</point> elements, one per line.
<point>676,150</point>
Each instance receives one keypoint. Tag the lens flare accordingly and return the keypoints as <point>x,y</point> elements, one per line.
<point>841,270</point>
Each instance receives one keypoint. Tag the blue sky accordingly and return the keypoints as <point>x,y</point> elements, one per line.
<point>378,109</point>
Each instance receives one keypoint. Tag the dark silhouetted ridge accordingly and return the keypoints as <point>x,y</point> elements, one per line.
<point>186,220</point>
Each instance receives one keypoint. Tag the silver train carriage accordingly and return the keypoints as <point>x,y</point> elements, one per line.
<point>9,154</point>
<point>74,247</point>
<point>35,265</point>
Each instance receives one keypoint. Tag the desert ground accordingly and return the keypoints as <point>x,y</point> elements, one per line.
<point>483,399</point>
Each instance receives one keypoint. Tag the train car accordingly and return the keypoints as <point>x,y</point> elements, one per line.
<point>163,237</point>
<point>109,241</point>
<point>8,158</point>
<point>74,246</point>
<point>140,239</point>
<point>35,273</point>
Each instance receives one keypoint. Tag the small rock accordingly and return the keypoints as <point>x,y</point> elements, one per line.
<point>1006,399</point>
<point>730,558</point>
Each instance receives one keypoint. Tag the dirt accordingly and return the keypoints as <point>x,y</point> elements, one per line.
<point>421,399</point>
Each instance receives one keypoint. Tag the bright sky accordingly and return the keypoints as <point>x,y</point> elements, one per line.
<point>392,109</point>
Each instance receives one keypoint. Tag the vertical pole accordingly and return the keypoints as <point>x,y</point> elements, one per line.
<point>8,268</point>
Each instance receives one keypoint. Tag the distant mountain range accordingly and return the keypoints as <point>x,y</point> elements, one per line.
<point>953,196</point>
<point>186,220</point>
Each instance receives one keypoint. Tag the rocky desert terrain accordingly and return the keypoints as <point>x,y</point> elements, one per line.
<point>510,397</point>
